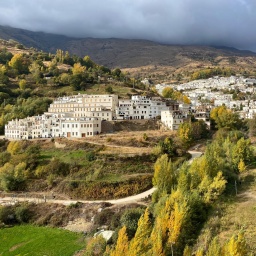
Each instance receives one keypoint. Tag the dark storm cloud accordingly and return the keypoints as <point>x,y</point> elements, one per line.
<point>213,22</point>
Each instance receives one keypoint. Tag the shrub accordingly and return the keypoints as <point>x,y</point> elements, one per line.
<point>22,214</point>
<point>130,219</point>
<point>7,215</point>
<point>103,218</point>
<point>90,156</point>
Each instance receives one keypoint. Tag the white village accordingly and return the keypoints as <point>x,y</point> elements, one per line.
<point>82,115</point>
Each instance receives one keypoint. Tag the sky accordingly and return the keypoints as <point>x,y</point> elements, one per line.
<point>207,22</point>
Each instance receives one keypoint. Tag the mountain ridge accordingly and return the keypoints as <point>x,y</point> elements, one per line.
<point>139,57</point>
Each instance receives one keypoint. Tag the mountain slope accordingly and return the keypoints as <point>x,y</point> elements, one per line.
<point>140,57</point>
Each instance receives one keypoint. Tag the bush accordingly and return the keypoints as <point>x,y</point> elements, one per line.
<point>90,156</point>
<point>7,215</point>
<point>103,218</point>
<point>130,219</point>
<point>22,214</point>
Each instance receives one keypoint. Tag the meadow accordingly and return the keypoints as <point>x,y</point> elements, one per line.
<point>39,241</point>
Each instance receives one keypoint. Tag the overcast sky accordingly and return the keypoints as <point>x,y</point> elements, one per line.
<point>211,22</point>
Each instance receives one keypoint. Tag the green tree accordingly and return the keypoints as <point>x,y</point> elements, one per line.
<point>130,219</point>
<point>169,92</point>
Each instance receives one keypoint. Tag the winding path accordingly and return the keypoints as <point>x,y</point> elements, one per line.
<point>127,200</point>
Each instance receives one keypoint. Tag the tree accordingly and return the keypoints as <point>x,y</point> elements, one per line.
<point>78,69</point>
<point>225,118</point>
<point>241,166</point>
<point>109,89</point>
<point>95,246</point>
<point>12,178</point>
<point>214,248</point>
<point>130,219</point>
<point>88,62</point>
<point>122,244</point>
<point>168,92</point>
<point>22,84</point>
<point>212,189</point>
<point>242,151</point>
<point>187,251</point>
<point>19,63</point>
<point>167,146</point>
<point>185,133</point>
<point>156,240</point>
<point>140,243</point>
<point>163,175</point>
<point>237,246</point>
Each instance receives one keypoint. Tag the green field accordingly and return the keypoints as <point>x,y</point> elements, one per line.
<point>39,241</point>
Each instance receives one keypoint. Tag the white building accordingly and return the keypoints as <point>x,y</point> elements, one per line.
<point>143,107</point>
<point>80,127</point>
<point>172,119</point>
<point>83,105</point>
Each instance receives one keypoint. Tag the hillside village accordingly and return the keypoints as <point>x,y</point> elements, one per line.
<point>81,115</point>
<point>236,93</point>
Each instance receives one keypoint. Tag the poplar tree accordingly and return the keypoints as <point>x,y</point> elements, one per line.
<point>140,244</point>
<point>122,244</point>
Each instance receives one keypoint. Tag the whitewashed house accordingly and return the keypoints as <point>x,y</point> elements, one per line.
<point>173,119</point>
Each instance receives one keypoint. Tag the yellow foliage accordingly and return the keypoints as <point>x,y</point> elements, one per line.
<point>140,244</point>
<point>187,251</point>
<point>176,221</point>
<point>78,69</point>
<point>122,244</point>
<point>236,246</point>
<point>241,166</point>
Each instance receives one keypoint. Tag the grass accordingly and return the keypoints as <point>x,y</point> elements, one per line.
<point>39,241</point>
<point>235,213</point>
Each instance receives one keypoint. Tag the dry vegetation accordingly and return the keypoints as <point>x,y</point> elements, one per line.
<point>234,214</point>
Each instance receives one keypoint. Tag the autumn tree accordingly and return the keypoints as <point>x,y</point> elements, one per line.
<point>214,248</point>
<point>237,246</point>
<point>19,63</point>
<point>122,243</point>
<point>78,69</point>
<point>139,245</point>
<point>185,133</point>
<point>22,84</point>
<point>164,175</point>
<point>225,118</point>
<point>96,246</point>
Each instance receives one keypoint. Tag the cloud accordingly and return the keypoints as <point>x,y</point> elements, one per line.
<point>211,22</point>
